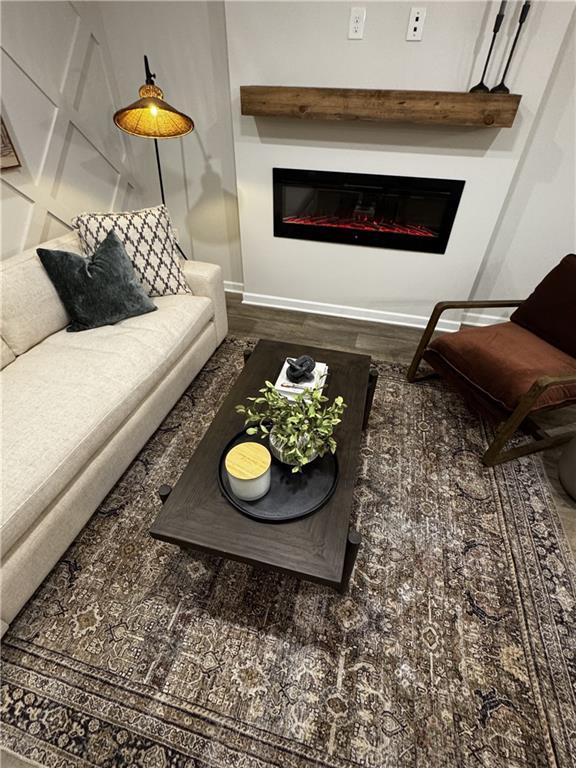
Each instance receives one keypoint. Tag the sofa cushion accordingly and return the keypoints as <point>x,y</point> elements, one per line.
<point>149,241</point>
<point>101,289</point>
<point>6,354</point>
<point>550,310</point>
<point>65,398</point>
<point>31,309</point>
<point>503,361</point>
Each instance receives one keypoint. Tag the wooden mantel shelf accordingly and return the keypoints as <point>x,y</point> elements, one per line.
<point>488,110</point>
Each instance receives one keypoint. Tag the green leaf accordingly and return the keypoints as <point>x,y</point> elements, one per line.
<point>303,426</point>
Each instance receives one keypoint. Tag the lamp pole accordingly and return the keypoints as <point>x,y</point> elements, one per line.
<point>159,172</point>
<point>150,81</point>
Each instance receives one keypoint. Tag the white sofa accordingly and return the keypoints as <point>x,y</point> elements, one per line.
<point>77,407</point>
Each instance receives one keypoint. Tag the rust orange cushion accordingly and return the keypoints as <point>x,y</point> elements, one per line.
<point>550,310</point>
<point>503,361</point>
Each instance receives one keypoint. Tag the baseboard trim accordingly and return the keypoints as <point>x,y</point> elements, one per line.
<point>231,287</point>
<point>476,319</point>
<point>341,310</point>
<point>361,313</point>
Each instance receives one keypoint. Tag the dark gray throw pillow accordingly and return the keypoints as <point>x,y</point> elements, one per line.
<point>100,290</point>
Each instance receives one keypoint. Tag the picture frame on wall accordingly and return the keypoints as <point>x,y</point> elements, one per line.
<point>9,156</point>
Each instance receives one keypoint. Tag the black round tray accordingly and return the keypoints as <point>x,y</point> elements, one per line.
<point>292,494</point>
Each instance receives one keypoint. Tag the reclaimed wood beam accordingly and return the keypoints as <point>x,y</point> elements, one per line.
<point>486,110</point>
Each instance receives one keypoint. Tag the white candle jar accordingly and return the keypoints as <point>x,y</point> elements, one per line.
<point>248,469</point>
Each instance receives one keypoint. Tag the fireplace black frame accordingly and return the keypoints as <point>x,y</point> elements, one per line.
<point>452,188</point>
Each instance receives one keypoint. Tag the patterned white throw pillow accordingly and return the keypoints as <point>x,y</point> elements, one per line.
<point>150,243</point>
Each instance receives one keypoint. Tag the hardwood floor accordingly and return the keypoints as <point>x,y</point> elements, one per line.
<point>395,342</point>
<point>388,342</point>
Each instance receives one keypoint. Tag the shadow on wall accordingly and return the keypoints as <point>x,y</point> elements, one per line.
<point>532,189</point>
<point>429,139</point>
<point>213,218</point>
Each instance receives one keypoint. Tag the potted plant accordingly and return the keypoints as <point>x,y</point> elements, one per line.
<point>299,429</point>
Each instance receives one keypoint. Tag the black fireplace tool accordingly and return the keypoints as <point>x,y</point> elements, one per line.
<point>501,87</point>
<point>481,87</point>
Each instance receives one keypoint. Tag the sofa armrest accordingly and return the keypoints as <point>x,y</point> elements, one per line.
<point>206,280</point>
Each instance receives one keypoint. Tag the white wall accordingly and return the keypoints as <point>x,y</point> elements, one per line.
<point>186,45</point>
<point>66,68</point>
<point>58,92</point>
<point>538,222</point>
<point>306,44</point>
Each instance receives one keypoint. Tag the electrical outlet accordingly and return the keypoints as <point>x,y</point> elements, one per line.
<point>356,25</point>
<point>416,24</point>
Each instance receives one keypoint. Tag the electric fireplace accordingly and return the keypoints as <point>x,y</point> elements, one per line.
<point>401,212</point>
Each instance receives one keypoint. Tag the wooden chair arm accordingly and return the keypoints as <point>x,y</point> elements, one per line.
<point>545,382</point>
<point>528,399</point>
<point>441,307</point>
<point>522,411</point>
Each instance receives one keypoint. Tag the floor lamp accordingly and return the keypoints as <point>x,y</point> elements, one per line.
<point>153,118</point>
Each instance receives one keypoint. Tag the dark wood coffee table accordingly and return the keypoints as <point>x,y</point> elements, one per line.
<point>321,547</point>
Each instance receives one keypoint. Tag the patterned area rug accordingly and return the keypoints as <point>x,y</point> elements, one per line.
<point>454,647</point>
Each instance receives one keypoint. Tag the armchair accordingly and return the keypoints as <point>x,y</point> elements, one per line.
<point>516,368</point>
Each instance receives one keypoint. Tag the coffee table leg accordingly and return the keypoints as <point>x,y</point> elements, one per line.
<point>164,491</point>
<point>352,546</point>
<point>372,381</point>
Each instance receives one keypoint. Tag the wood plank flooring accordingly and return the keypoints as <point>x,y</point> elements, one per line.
<point>387,342</point>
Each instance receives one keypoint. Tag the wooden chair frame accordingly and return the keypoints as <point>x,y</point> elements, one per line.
<point>495,454</point>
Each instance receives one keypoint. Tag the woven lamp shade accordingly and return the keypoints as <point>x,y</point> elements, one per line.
<point>153,117</point>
